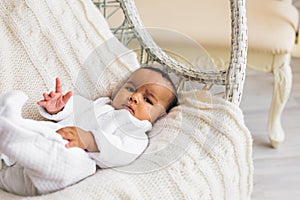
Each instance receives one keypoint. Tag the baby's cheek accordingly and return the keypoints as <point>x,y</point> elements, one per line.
<point>119,99</point>
<point>156,111</point>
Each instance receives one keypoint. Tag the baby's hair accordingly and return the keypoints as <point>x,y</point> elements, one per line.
<point>165,75</point>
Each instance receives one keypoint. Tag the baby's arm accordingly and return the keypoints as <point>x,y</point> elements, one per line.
<point>78,137</point>
<point>122,135</point>
<point>54,102</point>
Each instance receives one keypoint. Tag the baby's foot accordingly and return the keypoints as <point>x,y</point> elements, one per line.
<point>10,136</point>
<point>11,104</point>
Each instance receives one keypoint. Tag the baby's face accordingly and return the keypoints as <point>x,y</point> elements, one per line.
<point>146,95</point>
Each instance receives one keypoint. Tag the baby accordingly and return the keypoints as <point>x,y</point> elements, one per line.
<point>104,133</point>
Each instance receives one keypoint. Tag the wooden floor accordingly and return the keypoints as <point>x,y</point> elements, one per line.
<point>276,171</point>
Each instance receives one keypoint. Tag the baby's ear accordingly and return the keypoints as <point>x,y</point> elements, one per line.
<point>162,114</point>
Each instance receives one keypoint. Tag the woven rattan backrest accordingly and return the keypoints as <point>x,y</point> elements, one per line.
<point>131,28</point>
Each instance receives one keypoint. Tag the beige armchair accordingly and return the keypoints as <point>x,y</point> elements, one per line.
<point>271,32</point>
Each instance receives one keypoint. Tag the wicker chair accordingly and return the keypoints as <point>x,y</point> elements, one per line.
<point>217,161</point>
<point>132,28</point>
<point>272,34</point>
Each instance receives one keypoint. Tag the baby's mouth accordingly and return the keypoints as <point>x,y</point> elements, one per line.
<point>129,108</point>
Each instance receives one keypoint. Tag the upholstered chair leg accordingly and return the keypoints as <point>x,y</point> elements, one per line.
<point>282,87</point>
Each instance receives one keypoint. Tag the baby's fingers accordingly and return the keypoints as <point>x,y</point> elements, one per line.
<point>71,144</point>
<point>57,85</point>
<point>65,134</point>
<point>74,143</point>
<point>52,94</point>
<point>46,96</point>
<point>67,96</point>
<point>42,103</point>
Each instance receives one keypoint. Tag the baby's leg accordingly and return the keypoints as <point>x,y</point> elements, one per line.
<point>11,104</point>
<point>46,161</point>
<point>14,180</point>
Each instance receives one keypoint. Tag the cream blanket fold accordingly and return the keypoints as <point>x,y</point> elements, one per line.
<point>200,150</point>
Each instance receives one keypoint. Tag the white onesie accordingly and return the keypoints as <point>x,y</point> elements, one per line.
<point>43,163</point>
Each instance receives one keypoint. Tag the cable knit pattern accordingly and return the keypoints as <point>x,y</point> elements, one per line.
<point>193,153</point>
<point>44,39</point>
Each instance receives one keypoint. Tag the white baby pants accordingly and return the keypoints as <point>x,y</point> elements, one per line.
<point>43,163</point>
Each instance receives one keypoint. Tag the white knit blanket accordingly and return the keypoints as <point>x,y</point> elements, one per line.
<point>201,150</point>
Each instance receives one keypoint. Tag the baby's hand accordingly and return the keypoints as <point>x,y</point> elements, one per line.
<point>79,138</point>
<point>72,134</point>
<point>54,102</point>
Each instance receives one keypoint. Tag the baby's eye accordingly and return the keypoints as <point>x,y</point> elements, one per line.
<point>130,89</point>
<point>148,100</point>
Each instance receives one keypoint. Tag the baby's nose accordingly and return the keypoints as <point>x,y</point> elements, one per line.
<point>134,98</point>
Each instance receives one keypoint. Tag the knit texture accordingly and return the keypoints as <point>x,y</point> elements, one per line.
<point>41,40</point>
<point>200,150</point>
